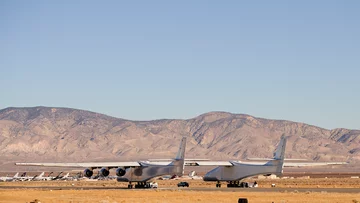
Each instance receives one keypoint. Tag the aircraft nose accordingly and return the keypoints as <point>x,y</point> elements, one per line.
<point>209,178</point>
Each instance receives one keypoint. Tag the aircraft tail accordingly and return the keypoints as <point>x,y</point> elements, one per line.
<point>181,153</point>
<point>179,161</point>
<point>16,175</point>
<point>279,156</point>
<point>41,174</point>
<point>280,150</point>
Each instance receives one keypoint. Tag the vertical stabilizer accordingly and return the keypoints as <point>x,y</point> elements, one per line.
<point>181,153</point>
<point>280,150</point>
<point>279,156</point>
<point>16,175</point>
<point>41,174</point>
<point>179,162</point>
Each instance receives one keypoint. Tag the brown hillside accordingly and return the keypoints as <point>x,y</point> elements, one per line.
<point>64,134</point>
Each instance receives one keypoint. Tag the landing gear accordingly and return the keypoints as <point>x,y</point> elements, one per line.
<point>218,184</point>
<point>140,185</point>
<point>130,186</point>
<point>238,184</point>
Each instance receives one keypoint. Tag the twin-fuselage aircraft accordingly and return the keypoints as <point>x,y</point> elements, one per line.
<point>140,172</point>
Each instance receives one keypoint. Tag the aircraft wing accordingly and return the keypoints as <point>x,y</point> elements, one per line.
<point>208,163</point>
<point>85,165</point>
<point>286,164</point>
<point>298,164</point>
<point>293,164</point>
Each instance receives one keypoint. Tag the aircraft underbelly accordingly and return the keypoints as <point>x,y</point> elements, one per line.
<point>233,173</point>
<point>142,174</point>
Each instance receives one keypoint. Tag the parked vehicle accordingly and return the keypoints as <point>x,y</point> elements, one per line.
<point>183,184</point>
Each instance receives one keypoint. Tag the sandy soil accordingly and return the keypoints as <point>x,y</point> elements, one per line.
<point>115,196</point>
<point>174,195</point>
<point>264,183</point>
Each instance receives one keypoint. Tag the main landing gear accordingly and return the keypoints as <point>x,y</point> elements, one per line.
<point>139,185</point>
<point>130,186</point>
<point>238,184</point>
<point>234,184</point>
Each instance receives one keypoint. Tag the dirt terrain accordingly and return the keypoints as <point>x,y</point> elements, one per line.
<point>301,182</point>
<point>114,196</point>
<point>168,191</point>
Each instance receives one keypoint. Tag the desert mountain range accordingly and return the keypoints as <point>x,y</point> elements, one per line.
<point>65,134</point>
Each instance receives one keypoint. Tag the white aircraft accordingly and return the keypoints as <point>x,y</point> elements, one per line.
<point>8,179</point>
<point>135,171</point>
<point>234,171</point>
<point>65,177</point>
<point>38,177</point>
<point>23,177</point>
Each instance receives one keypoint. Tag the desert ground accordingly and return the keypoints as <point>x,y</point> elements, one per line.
<point>174,196</point>
<point>294,190</point>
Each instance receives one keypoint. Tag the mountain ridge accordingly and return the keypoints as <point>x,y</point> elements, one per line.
<point>67,134</point>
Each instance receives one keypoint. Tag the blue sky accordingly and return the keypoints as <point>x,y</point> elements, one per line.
<point>144,60</point>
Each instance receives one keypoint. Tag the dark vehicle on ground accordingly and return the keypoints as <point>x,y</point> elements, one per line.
<point>183,184</point>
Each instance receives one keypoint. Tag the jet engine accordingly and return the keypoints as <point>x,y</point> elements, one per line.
<point>104,172</point>
<point>120,172</point>
<point>88,173</point>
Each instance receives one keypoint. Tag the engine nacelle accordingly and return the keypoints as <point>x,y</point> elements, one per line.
<point>88,173</point>
<point>104,172</point>
<point>120,172</point>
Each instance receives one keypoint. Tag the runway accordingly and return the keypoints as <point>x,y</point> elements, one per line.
<point>295,190</point>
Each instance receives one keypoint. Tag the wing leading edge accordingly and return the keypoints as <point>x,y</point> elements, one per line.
<point>85,165</point>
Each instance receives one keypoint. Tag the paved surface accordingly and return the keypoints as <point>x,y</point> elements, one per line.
<point>323,190</point>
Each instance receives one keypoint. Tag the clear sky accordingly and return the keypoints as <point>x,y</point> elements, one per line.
<point>144,60</point>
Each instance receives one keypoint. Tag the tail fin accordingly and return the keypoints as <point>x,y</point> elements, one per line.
<point>280,150</point>
<point>279,156</point>
<point>179,161</point>
<point>41,174</point>
<point>16,175</point>
<point>181,153</point>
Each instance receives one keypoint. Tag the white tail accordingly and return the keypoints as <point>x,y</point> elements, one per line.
<point>179,161</point>
<point>280,150</point>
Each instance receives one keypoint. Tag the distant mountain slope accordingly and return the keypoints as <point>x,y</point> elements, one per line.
<point>64,134</point>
